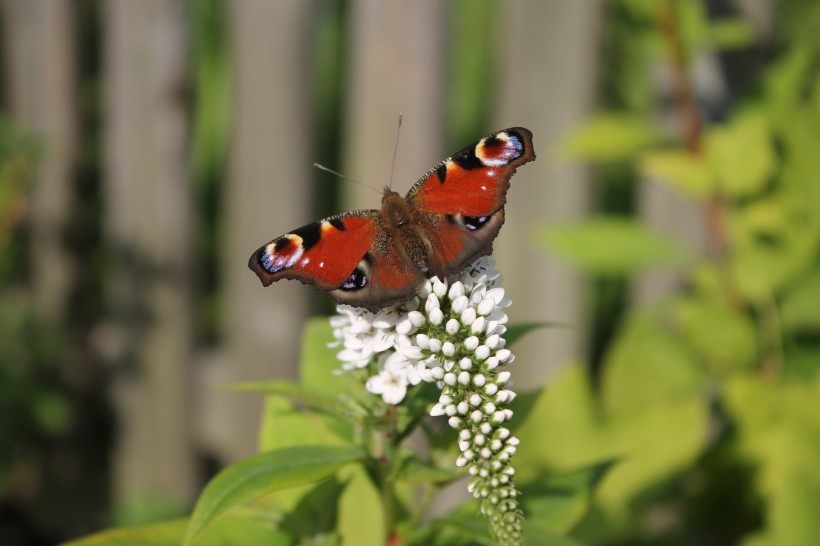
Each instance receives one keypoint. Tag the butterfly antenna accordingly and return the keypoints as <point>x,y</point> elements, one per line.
<point>340,175</point>
<point>395,152</point>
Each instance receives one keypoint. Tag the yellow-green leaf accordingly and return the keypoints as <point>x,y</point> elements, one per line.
<point>687,173</point>
<point>261,475</point>
<point>742,155</point>
<point>610,137</point>
<point>612,245</point>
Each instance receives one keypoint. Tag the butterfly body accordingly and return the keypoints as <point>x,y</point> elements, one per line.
<point>372,258</point>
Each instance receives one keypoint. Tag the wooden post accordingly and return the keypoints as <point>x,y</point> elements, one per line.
<point>148,225</point>
<point>547,67</point>
<point>396,66</point>
<point>266,194</point>
<point>41,95</point>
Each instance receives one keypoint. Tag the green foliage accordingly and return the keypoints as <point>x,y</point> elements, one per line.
<point>327,455</point>
<point>262,474</point>
<point>714,386</point>
<point>611,246</point>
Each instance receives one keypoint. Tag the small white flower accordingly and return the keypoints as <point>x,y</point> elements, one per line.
<point>392,387</point>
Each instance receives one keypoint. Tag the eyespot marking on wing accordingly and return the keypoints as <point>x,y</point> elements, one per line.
<point>499,149</point>
<point>470,223</point>
<point>360,276</point>
<point>282,253</point>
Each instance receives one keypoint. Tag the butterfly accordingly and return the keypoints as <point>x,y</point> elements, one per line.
<point>374,258</point>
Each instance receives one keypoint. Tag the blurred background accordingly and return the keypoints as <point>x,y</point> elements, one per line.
<point>148,147</point>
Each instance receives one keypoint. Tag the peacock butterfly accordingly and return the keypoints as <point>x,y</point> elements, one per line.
<point>372,258</point>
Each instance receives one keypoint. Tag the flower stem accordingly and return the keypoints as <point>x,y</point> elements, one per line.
<point>387,485</point>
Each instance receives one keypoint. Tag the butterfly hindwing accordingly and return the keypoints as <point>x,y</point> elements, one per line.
<point>474,181</point>
<point>323,254</point>
<point>457,240</point>
<point>385,275</point>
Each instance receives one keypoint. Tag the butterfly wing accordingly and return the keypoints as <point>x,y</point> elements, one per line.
<point>459,204</point>
<point>323,254</point>
<point>350,256</point>
<point>474,181</point>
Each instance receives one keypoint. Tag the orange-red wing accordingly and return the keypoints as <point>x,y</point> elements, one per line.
<point>474,181</point>
<point>385,275</point>
<point>458,241</point>
<point>322,254</point>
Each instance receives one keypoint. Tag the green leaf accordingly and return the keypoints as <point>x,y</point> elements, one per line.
<point>567,429</point>
<point>613,246</point>
<point>646,365</point>
<point>723,336</point>
<point>560,501</point>
<point>285,426</point>
<point>472,529</point>
<point>517,331</point>
<point>742,155</point>
<point>263,474</point>
<point>169,533</point>
<point>235,528</point>
<point>778,429</point>
<point>414,470</point>
<point>538,534</point>
<point>301,395</point>
<point>318,360</point>
<point>687,173</point>
<point>610,137</point>
<point>801,305</point>
<point>469,525</point>
<point>360,501</point>
<point>316,514</point>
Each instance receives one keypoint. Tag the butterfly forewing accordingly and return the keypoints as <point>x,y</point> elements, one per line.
<point>474,181</point>
<point>323,254</point>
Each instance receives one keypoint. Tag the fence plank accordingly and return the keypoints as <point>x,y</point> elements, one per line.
<point>396,66</point>
<point>41,95</point>
<point>547,70</point>
<point>267,194</point>
<point>148,220</point>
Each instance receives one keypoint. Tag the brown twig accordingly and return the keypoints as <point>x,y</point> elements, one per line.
<point>689,116</point>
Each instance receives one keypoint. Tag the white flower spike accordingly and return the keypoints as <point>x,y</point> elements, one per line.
<point>451,334</point>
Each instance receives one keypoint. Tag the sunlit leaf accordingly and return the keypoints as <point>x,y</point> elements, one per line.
<point>614,246</point>
<point>567,430</point>
<point>742,155</point>
<point>778,428</point>
<point>318,360</point>
<point>800,309</point>
<point>646,364</point>
<point>235,528</point>
<point>558,502</point>
<point>723,336</point>
<point>297,393</point>
<point>680,169</point>
<point>263,474</point>
<point>610,137</point>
